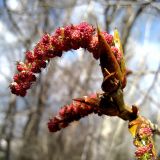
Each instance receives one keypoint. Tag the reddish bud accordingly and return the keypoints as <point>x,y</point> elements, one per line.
<point>45,39</point>
<point>29,56</point>
<point>21,66</point>
<point>143,150</point>
<point>117,53</point>
<point>145,132</point>
<point>108,38</point>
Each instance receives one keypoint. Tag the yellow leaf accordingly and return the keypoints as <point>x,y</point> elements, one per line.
<point>117,41</point>
<point>134,125</point>
<point>133,130</point>
<point>118,44</point>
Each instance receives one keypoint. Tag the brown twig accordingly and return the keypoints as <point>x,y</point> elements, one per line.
<point>155,128</point>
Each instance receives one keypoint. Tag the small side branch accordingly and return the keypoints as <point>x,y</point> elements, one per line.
<point>155,128</point>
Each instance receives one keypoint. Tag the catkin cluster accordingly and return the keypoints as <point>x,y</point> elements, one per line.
<point>50,46</point>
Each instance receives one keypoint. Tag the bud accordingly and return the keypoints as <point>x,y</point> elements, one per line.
<point>143,150</point>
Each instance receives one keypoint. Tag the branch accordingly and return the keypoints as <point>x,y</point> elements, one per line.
<point>17,28</point>
<point>129,3</point>
<point>110,102</point>
<point>155,128</point>
<point>151,86</point>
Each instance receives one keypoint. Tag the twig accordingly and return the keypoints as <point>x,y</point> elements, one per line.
<point>152,85</point>
<point>155,128</point>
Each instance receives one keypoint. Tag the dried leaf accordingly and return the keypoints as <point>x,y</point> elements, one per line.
<point>107,58</point>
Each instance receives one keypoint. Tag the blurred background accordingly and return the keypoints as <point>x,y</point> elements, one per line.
<point>23,121</point>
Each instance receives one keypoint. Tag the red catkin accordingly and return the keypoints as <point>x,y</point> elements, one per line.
<point>68,114</point>
<point>50,46</point>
